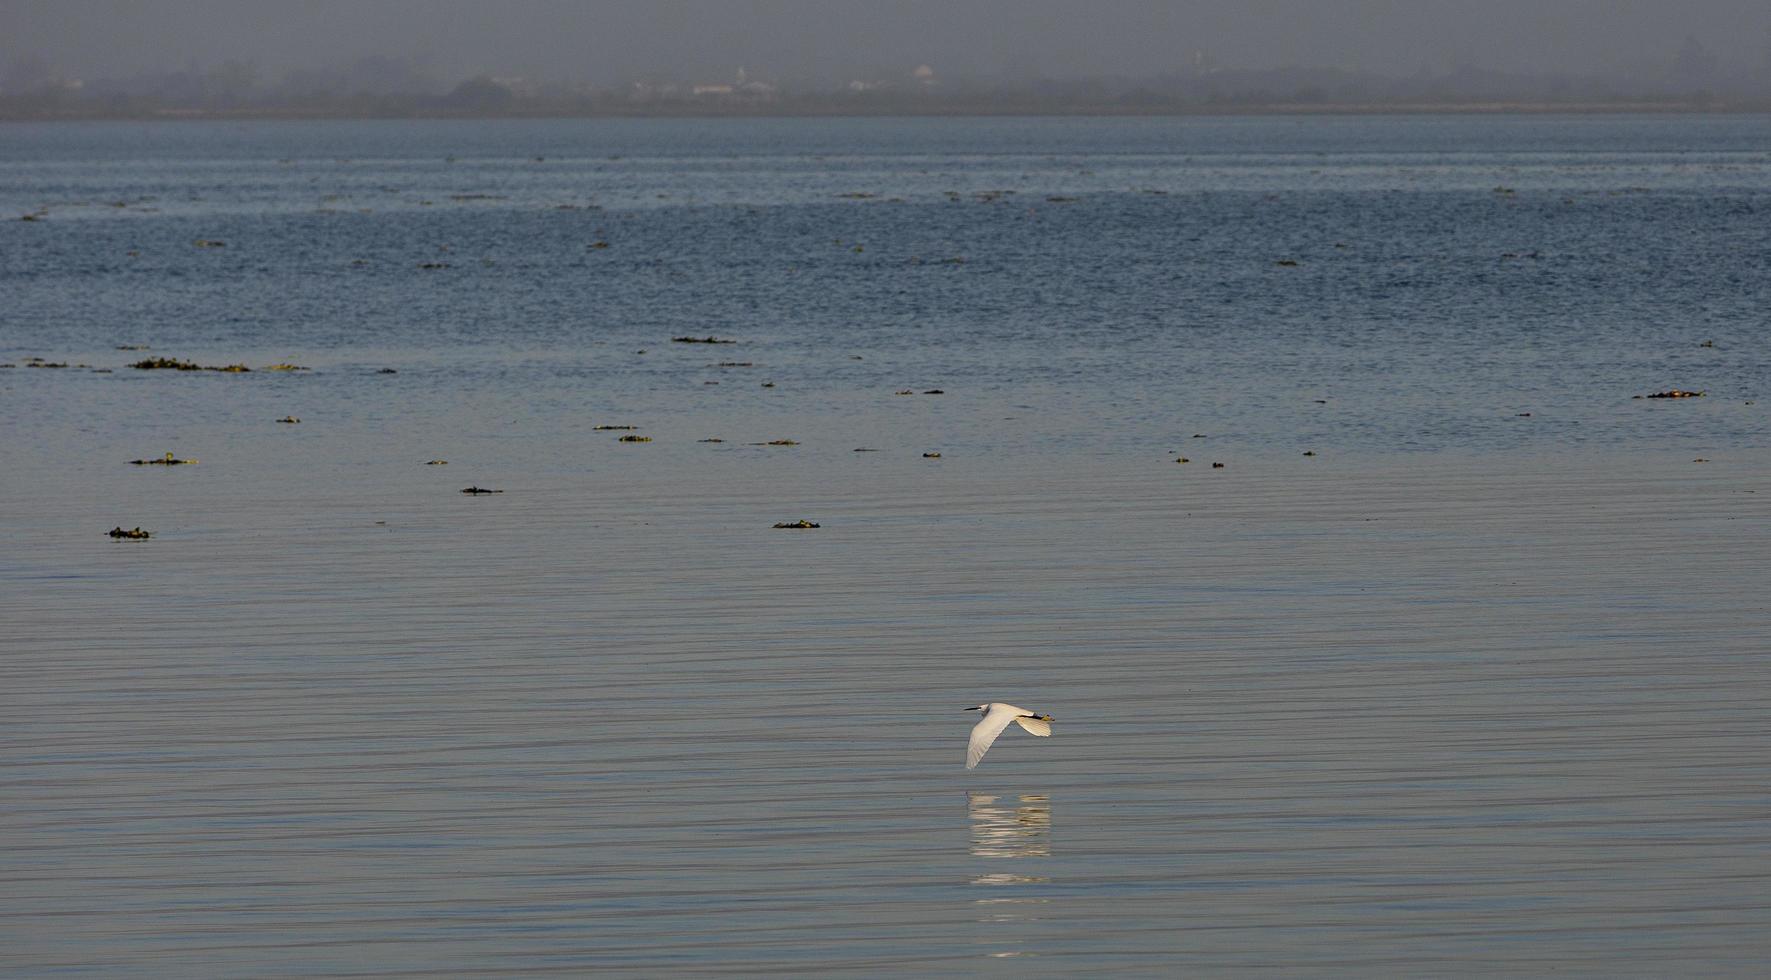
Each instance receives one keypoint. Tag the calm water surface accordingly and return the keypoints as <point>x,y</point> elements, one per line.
<point>1479,687</point>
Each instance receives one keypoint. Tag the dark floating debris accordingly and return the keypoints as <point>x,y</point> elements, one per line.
<point>701,340</point>
<point>710,440</point>
<point>931,455</point>
<point>173,364</point>
<point>630,437</point>
<point>864,449</point>
<point>437,462</point>
<point>1309,452</point>
<point>934,391</point>
<point>387,371</point>
<point>168,460</point>
<point>287,367</point>
<point>802,523</point>
<point>35,363</point>
<point>1674,393</point>
<point>1217,466</point>
<point>906,391</point>
<point>1287,263</point>
<point>210,243</point>
<point>768,384</point>
<point>1700,459</point>
<point>289,420</point>
<point>433,265</point>
<point>1707,343</point>
<point>737,364</point>
<point>135,535</point>
<point>132,347</point>
<point>479,490</point>
<point>613,428</point>
<point>1182,459</point>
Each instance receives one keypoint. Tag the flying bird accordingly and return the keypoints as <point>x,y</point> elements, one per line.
<point>996,718</point>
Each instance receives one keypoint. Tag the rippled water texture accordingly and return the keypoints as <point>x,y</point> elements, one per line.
<point>1479,685</point>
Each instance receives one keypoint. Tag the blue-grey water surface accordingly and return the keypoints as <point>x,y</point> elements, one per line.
<point>1480,686</point>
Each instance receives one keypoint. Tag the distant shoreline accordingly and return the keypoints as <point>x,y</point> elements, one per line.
<point>899,110</point>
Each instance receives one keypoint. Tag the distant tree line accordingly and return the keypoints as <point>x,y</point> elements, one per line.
<point>388,87</point>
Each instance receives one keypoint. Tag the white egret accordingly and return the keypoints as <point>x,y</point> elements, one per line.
<point>996,718</point>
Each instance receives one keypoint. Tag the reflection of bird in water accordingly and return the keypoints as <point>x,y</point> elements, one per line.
<point>1010,832</point>
<point>996,718</point>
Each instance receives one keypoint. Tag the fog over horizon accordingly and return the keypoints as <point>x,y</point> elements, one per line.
<point>611,42</point>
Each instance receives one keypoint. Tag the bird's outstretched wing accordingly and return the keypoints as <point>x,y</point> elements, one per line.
<point>983,734</point>
<point>1037,726</point>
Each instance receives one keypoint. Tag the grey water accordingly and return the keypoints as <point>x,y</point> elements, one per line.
<point>1480,685</point>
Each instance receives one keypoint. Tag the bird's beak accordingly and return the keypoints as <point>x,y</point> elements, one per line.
<point>974,708</point>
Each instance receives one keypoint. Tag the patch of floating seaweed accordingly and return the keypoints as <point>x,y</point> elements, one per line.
<point>133,535</point>
<point>289,420</point>
<point>437,462</point>
<point>710,339</point>
<point>286,367</point>
<point>633,438</point>
<point>167,460</point>
<point>1674,393</point>
<point>799,524</point>
<point>613,428</point>
<point>931,455</point>
<point>173,364</point>
<point>478,490</point>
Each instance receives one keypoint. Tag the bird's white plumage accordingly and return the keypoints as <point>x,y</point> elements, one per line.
<point>996,718</point>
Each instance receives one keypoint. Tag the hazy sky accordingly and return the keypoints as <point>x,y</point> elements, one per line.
<point>610,40</point>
